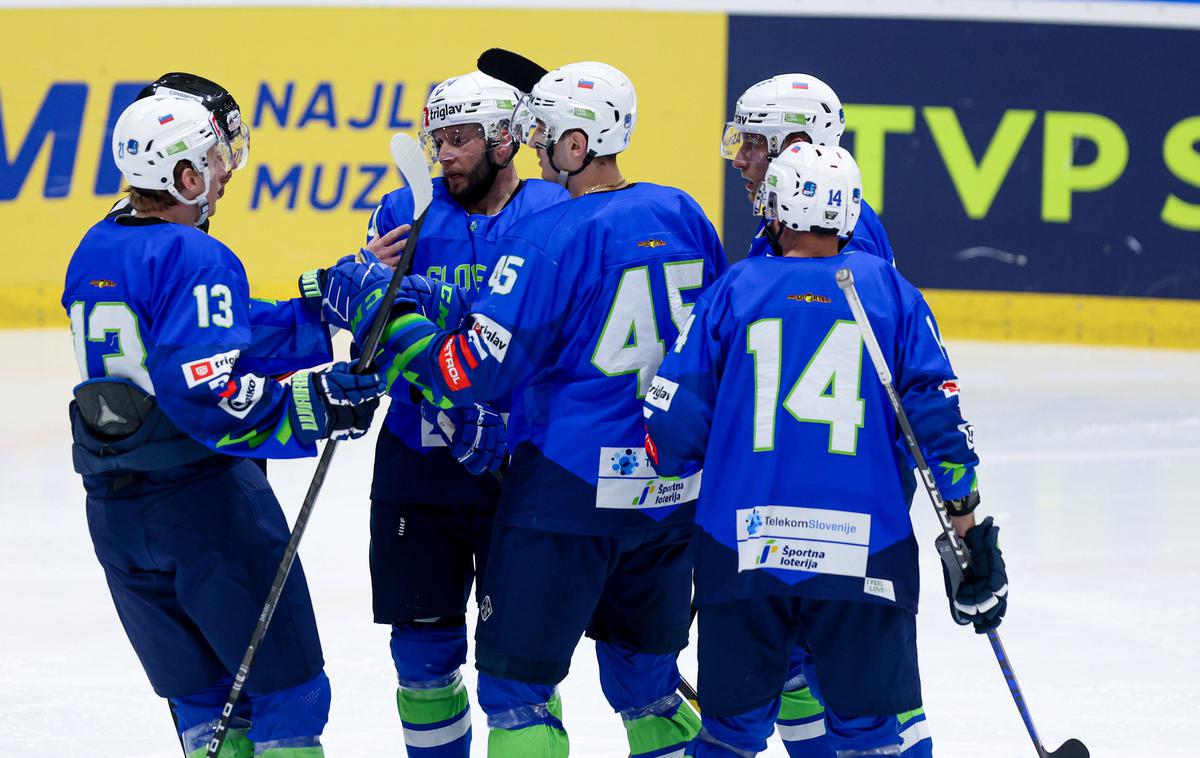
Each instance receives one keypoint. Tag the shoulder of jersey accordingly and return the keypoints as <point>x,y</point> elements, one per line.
<point>402,196</point>
<point>544,192</point>
<point>868,211</point>
<point>197,247</point>
<point>666,191</point>
<point>746,268</point>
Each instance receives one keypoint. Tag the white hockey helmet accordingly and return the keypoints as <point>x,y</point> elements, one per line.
<point>155,133</point>
<point>594,98</point>
<point>781,106</point>
<point>470,99</point>
<point>811,188</point>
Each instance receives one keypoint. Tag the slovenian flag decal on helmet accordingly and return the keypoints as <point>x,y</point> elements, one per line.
<point>585,84</point>
<point>165,119</point>
<point>799,85</point>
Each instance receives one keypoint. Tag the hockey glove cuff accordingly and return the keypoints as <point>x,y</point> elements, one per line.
<point>333,403</point>
<point>312,286</point>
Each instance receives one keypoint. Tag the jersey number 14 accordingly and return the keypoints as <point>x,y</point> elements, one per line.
<point>827,392</point>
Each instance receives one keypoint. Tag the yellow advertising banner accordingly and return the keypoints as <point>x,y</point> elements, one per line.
<point>323,90</point>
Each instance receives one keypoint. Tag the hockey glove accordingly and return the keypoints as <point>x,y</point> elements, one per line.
<point>444,304</point>
<point>333,403</point>
<point>353,290</point>
<point>475,434</point>
<point>982,597</point>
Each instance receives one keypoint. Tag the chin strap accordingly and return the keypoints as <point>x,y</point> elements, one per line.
<point>565,176</point>
<point>200,200</point>
<point>773,236</point>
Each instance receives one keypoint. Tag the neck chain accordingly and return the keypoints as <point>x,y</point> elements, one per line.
<point>605,187</point>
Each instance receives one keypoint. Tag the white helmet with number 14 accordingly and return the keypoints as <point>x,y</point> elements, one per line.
<point>812,189</point>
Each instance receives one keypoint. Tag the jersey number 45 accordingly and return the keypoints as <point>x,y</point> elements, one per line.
<point>630,341</point>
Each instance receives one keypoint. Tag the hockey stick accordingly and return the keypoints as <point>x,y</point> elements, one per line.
<point>954,554</point>
<point>411,162</point>
<point>511,68</point>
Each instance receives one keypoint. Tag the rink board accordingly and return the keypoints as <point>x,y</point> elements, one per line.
<point>1028,177</point>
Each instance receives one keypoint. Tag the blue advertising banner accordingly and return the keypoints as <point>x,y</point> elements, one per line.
<point>1006,156</point>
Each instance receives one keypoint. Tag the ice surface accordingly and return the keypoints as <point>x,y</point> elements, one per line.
<point>1089,464</point>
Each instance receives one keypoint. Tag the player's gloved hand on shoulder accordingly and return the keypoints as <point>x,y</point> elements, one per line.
<point>475,434</point>
<point>353,289</point>
<point>334,403</point>
<point>442,303</point>
<point>982,597</point>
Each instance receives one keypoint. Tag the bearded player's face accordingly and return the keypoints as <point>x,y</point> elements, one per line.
<point>462,153</point>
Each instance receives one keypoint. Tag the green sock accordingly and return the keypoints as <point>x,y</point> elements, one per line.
<point>421,707</point>
<point>654,733</point>
<point>235,746</point>
<point>315,751</point>
<point>537,741</point>
<point>799,704</point>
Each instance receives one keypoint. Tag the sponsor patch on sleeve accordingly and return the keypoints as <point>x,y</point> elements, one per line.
<point>211,371</point>
<point>661,393</point>
<point>490,338</point>
<point>949,387</point>
<point>968,432</point>
<point>240,396</point>
<point>453,372</point>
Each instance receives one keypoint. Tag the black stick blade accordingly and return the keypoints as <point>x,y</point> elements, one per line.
<point>1072,748</point>
<point>511,68</point>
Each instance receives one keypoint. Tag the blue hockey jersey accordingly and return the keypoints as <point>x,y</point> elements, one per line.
<point>168,308</point>
<point>869,237</point>
<point>581,307</point>
<point>807,485</point>
<point>460,248</point>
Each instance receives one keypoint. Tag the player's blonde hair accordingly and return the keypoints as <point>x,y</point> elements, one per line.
<point>154,201</point>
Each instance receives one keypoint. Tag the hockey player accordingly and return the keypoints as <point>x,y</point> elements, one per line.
<point>770,117</point>
<point>588,538</point>
<point>827,559</point>
<point>174,356</point>
<point>431,520</point>
<point>777,113</point>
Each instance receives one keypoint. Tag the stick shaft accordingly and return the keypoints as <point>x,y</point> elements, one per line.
<point>369,347</point>
<point>961,558</point>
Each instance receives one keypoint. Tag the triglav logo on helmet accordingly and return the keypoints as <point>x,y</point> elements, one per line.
<point>442,112</point>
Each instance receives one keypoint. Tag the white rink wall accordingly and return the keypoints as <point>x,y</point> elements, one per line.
<point>1109,12</point>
